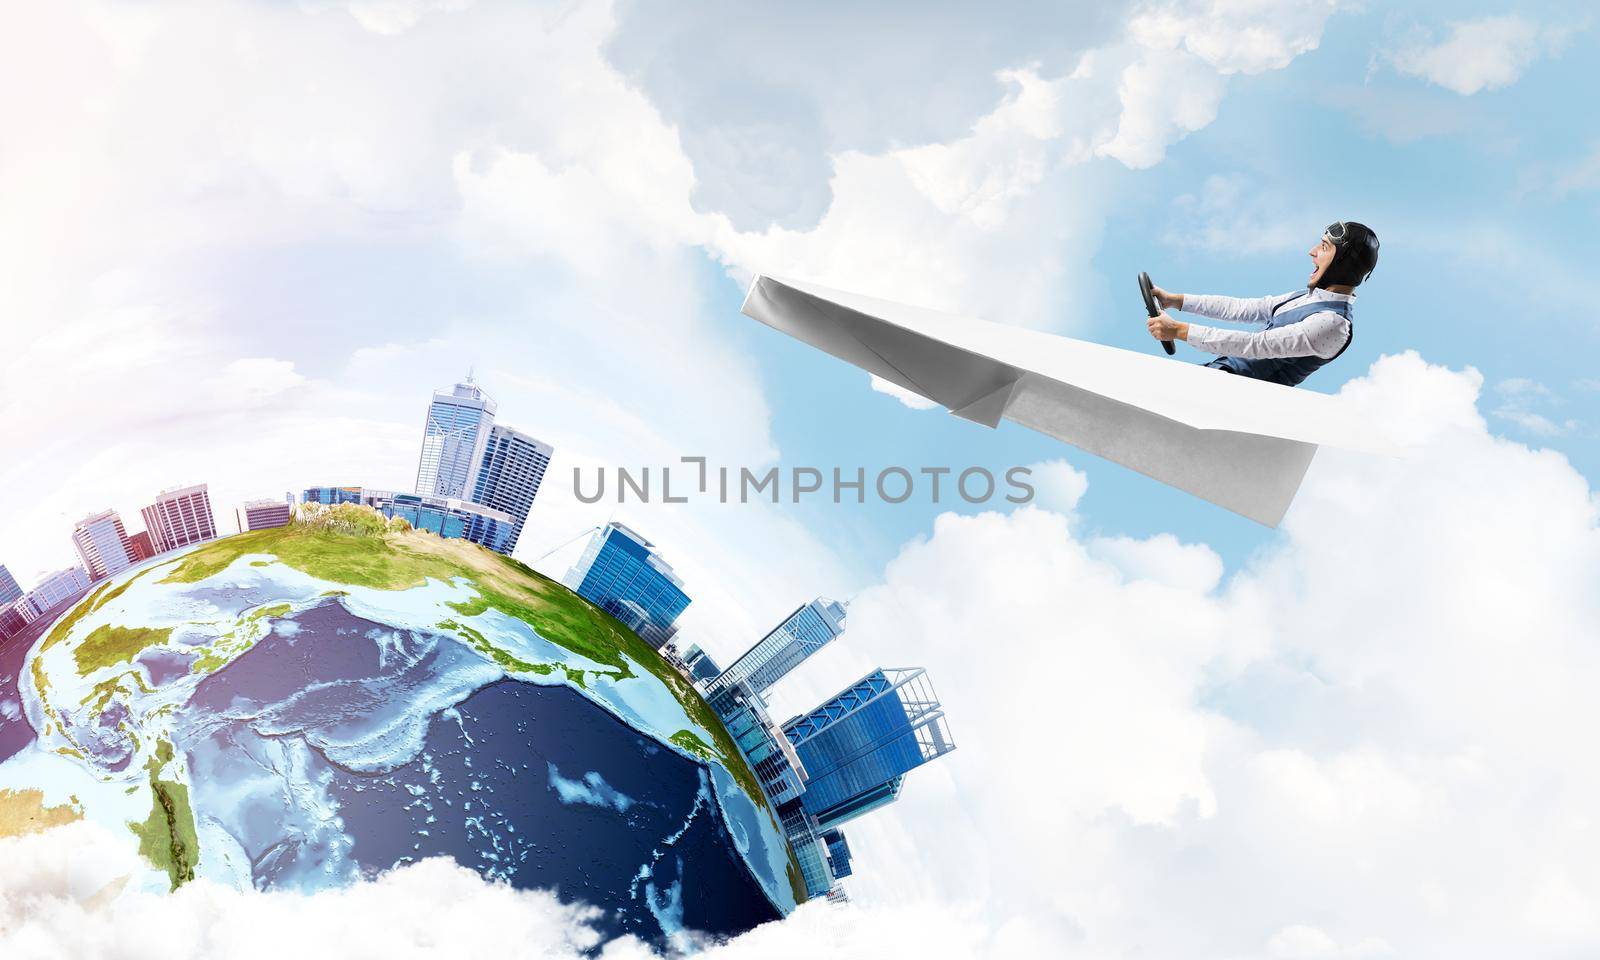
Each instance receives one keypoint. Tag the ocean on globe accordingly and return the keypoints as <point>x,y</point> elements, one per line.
<point>304,707</point>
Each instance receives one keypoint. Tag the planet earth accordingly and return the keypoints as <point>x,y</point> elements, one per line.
<point>304,707</point>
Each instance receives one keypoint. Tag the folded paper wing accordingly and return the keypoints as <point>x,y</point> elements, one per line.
<point>1236,442</point>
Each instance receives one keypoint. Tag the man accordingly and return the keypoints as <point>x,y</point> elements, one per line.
<point>1302,330</point>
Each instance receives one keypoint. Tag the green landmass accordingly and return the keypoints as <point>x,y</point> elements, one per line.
<point>109,645</point>
<point>42,684</point>
<point>72,617</point>
<point>480,643</point>
<point>167,837</point>
<point>119,591</point>
<point>223,650</point>
<point>690,741</point>
<point>102,692</point>
<point>273,612</point>
<point>353,546</point>
<point>23,812</point>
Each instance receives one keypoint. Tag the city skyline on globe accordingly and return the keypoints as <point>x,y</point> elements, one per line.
<point>303,707</point>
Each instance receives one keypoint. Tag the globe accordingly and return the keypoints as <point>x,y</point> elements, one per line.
<point>307,706</point>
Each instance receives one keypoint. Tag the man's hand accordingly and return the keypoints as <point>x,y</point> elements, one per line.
<point>1163,327</point>
<point>1167,301</point>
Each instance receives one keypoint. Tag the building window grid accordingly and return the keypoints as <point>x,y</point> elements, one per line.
<point>615,575</point>
<point>879,728</point>
<point>446,454</point>
<point>790,643</point>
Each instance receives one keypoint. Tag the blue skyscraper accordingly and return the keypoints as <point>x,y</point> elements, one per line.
<point>701,667</point>
<point>808,629</point>
<point>838,853</point>
<point>509,474</point>
<point>621,573</point>
<point>858,745</point>
<point>9,590</point>
<point>454,436</point>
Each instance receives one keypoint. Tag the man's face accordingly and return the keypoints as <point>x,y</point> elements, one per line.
<point>1321,256</point>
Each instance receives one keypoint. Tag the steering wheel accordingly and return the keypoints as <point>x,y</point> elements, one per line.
<point>1151,308</point>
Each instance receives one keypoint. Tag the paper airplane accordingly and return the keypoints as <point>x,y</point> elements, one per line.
<point>1239,443</point>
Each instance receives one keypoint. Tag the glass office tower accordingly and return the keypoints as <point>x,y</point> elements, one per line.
<point>454,436</point>
<point>509,474</point>
<point>103,545</point>
<point>702,669</point>
<point>838,853</point>
<point>805,631</point>
<point>858,745</point>
<point>621,573</point>
<point>9,588</point>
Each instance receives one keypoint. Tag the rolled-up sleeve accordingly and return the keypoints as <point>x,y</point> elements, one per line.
<point>1319,335</point>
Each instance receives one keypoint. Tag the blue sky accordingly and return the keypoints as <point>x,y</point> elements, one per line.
<point>1481,258</point>
<point>251,238</point>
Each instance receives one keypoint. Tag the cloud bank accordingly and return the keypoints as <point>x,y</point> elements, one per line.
<point>1371,742</point>
<point>1483,54</point>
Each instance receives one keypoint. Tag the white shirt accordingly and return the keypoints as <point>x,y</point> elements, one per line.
<point>1322,334</point>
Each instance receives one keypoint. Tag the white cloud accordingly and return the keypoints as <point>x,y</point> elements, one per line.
<point>1057,485</point>
<point>915,401</point>
<point>394,17</point>
<point>1316,754</point>
<point>763,103</point>
<point>59,897</point>
<point>255,280</point>
<point>1334,741</point>
<point>1315,757</point>
<point>1303,942</point>
<point>1164,98</point>
<point>1483,54</point>
<point>1237,36</point>
<point>142,242</point>
<point>1000,221</point>
<point>1520,400</point>
<point>1535,423</point>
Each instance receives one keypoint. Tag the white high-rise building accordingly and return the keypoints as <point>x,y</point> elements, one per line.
<point>179,517</point>
<point>59,587</point>
<point>9,590</point>
<point>24,607</point>
<point>453,440</point>
<point>261,514</point>
<point>103,544</point>
<point>509,475</point>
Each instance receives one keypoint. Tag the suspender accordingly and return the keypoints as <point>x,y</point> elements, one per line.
<point>1341,307</point>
